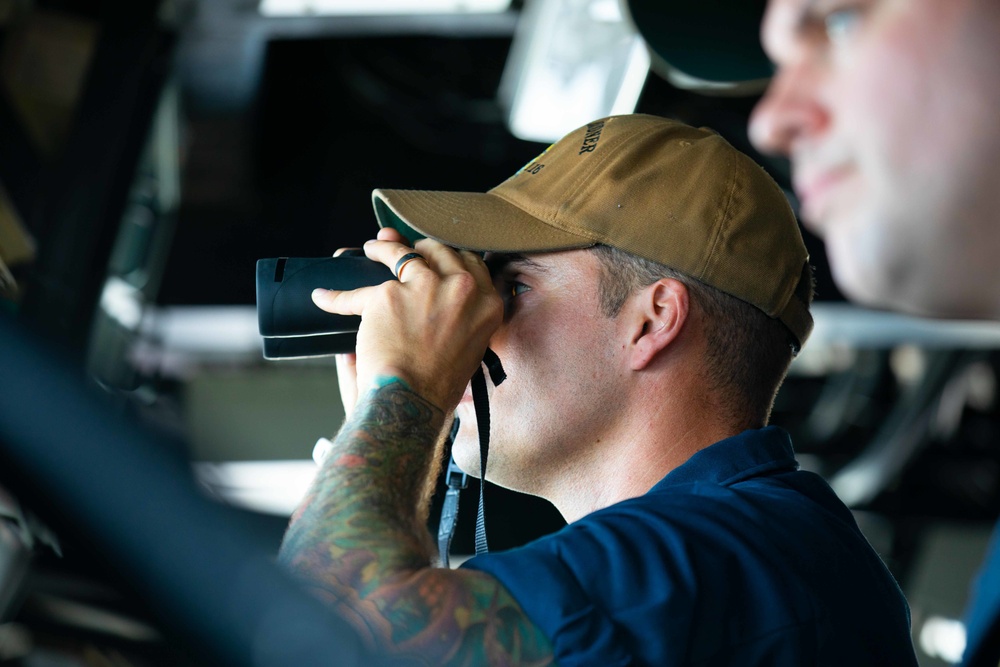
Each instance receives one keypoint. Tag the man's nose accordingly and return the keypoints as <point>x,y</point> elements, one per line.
<point>789,111</point>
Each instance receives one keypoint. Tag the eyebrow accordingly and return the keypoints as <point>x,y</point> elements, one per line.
<point>500,261</point>
<point>809,14</point>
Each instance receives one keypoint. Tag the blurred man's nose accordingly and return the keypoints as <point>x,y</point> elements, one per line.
<point>788,111</point>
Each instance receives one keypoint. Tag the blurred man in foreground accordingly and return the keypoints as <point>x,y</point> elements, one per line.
<point>888,112</point>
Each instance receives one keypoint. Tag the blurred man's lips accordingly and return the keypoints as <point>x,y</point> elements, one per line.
<point>815,188</point>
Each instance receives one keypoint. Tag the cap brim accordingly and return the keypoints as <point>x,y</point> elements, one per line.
<point>470,221</point>
<point>708,45</point>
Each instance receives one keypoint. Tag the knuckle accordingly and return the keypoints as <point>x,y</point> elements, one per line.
<point>465,283</point>
<point>425,245</point>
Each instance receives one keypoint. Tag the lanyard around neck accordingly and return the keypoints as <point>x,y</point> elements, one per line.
<point>455,477</point>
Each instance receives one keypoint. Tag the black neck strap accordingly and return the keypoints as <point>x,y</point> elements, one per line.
<point>457,479</point>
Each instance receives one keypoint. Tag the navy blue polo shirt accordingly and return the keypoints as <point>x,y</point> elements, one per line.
<point>736,558</point>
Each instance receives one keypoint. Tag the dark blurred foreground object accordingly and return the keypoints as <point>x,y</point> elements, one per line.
<point>712,46</point>
<point>89,472</point>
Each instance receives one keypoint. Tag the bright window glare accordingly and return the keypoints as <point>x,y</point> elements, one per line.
<point>272,487</point>
<point>122,302</point>
<point>370,7</point>
<point>572,61</point>
<point>943,638</point>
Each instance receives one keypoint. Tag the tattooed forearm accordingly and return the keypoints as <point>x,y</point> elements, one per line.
<point>360,540</point>
<point>380,470</point>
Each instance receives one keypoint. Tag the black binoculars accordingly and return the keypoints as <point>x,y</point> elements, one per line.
<point>290,323</point>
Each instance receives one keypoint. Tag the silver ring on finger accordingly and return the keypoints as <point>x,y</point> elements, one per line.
<point>403,261</point>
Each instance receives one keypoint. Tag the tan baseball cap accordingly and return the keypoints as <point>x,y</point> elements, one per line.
<point>654,187</point>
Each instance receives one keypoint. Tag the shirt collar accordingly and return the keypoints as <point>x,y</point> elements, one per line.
<point>752,453</point>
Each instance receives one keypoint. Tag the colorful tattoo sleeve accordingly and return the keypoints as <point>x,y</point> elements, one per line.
<point>360,541</point>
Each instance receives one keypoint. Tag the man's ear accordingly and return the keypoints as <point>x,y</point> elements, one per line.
<point>660,311</point>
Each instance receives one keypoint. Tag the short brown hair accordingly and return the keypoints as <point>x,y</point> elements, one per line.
<point>749,352</point>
